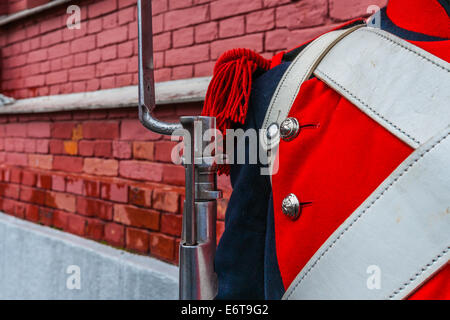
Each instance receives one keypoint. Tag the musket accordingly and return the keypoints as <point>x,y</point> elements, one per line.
<point>198,280</point>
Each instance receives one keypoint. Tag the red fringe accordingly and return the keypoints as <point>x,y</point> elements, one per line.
<point>228,93</point>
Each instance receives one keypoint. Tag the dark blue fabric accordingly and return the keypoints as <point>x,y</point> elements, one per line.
<point>241,256</point>
<point>273,283</point>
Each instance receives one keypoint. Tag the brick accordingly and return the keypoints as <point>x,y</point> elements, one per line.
<point>9,206</point>
<point>42,146</point>
<point>52,23</point>
<point>206,32</point>
<point>109,53</point>
<point>76,224</point>
<point>176,19</point>
<point>183,37</point>
<point>40,161</point>
<point>58,183</point>
<point>9,190</point>
<point>115,234</point>
<point>37,55</point>
<point>94,229</point>
<point>62,130</point>
<point>260,21</point>
<point>86,148</point>
<point>68,164</point>
<point>127,15</point>
<point>71,147</point>
<point>82,73</point>
<point>16,130</point>
<point>162,246</point>
<point>163,150</point>
<point>182,72</point>
<point>19,211</point>
<point>137,240</point>
<point>162,41</point>
<point>136,217</point>
<point>17,159</point>
<point>32,195</point>
<point>60,219</point>
<point>112,36</point>
<point>303,14</point>
<point>14,144</point>
<point>221,9</point>
<point>101,167</point>
<point>100,130</point>
<point>56,146</point>
<point>59,200</point>
<point>45,216</point>
<point>134,130</point>
<point>173,174</point>
<point>110,68</point>
<point>232,27</point>
<point>100,8</point>
<point>352,9</point>
<point>57,77</point>
<point>94,208</point>
<point>16,175</point>
<point>51,38</point>
<point>110,21</point>
<point>74,185</point>
<point>143,150</point>
<point>253,42</point>
<point>30,146</point>
<point>140,197</point>
<point>165,200</point>
<point>171,224</point>
<point>103,149</point>
<point>117,192</point>
<point>140,170</point>
<point>44,181</point>
<point>32,213</point>
<point>58,51</point>
<point>91,188</point>
<point>188,55</point>
<point>28,178</point>
<point>125,50</point>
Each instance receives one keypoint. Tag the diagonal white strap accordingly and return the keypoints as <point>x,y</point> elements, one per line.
<point>400,86</point>
<point>401,230</point>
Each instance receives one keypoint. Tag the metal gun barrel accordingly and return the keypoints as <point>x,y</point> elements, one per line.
<point>198,280</point>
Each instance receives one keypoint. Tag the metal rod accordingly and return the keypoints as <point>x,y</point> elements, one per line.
<point>146,75</point>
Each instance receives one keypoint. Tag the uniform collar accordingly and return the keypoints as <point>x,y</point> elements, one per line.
<point>422,16</point>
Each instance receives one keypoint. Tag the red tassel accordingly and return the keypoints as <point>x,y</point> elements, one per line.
<point>228,93</point>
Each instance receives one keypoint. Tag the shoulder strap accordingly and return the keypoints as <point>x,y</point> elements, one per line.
<point>402,230</point>
<point>300,70</point>
<point>405,89</point>
<point>402,87</point>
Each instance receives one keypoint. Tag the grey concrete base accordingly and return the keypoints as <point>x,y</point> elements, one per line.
<point>38,262</point>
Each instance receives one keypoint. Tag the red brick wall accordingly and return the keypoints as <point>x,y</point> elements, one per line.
<point>100,175</point>
<point>40,56</point>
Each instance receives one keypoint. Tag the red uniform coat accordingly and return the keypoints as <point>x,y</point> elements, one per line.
<point>339,163</point>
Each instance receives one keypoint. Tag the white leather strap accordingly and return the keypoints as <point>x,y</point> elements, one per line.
<point>299,71</point>
<point>400,86</point>
<point>403,229</point>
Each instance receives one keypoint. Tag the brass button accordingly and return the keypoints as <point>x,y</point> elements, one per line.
<point>291,206</point>
<point>289,129</point>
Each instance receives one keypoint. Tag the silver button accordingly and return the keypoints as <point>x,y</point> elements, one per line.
<point>291,206</point>
<point>289,129</point>
<point>272,131</point>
